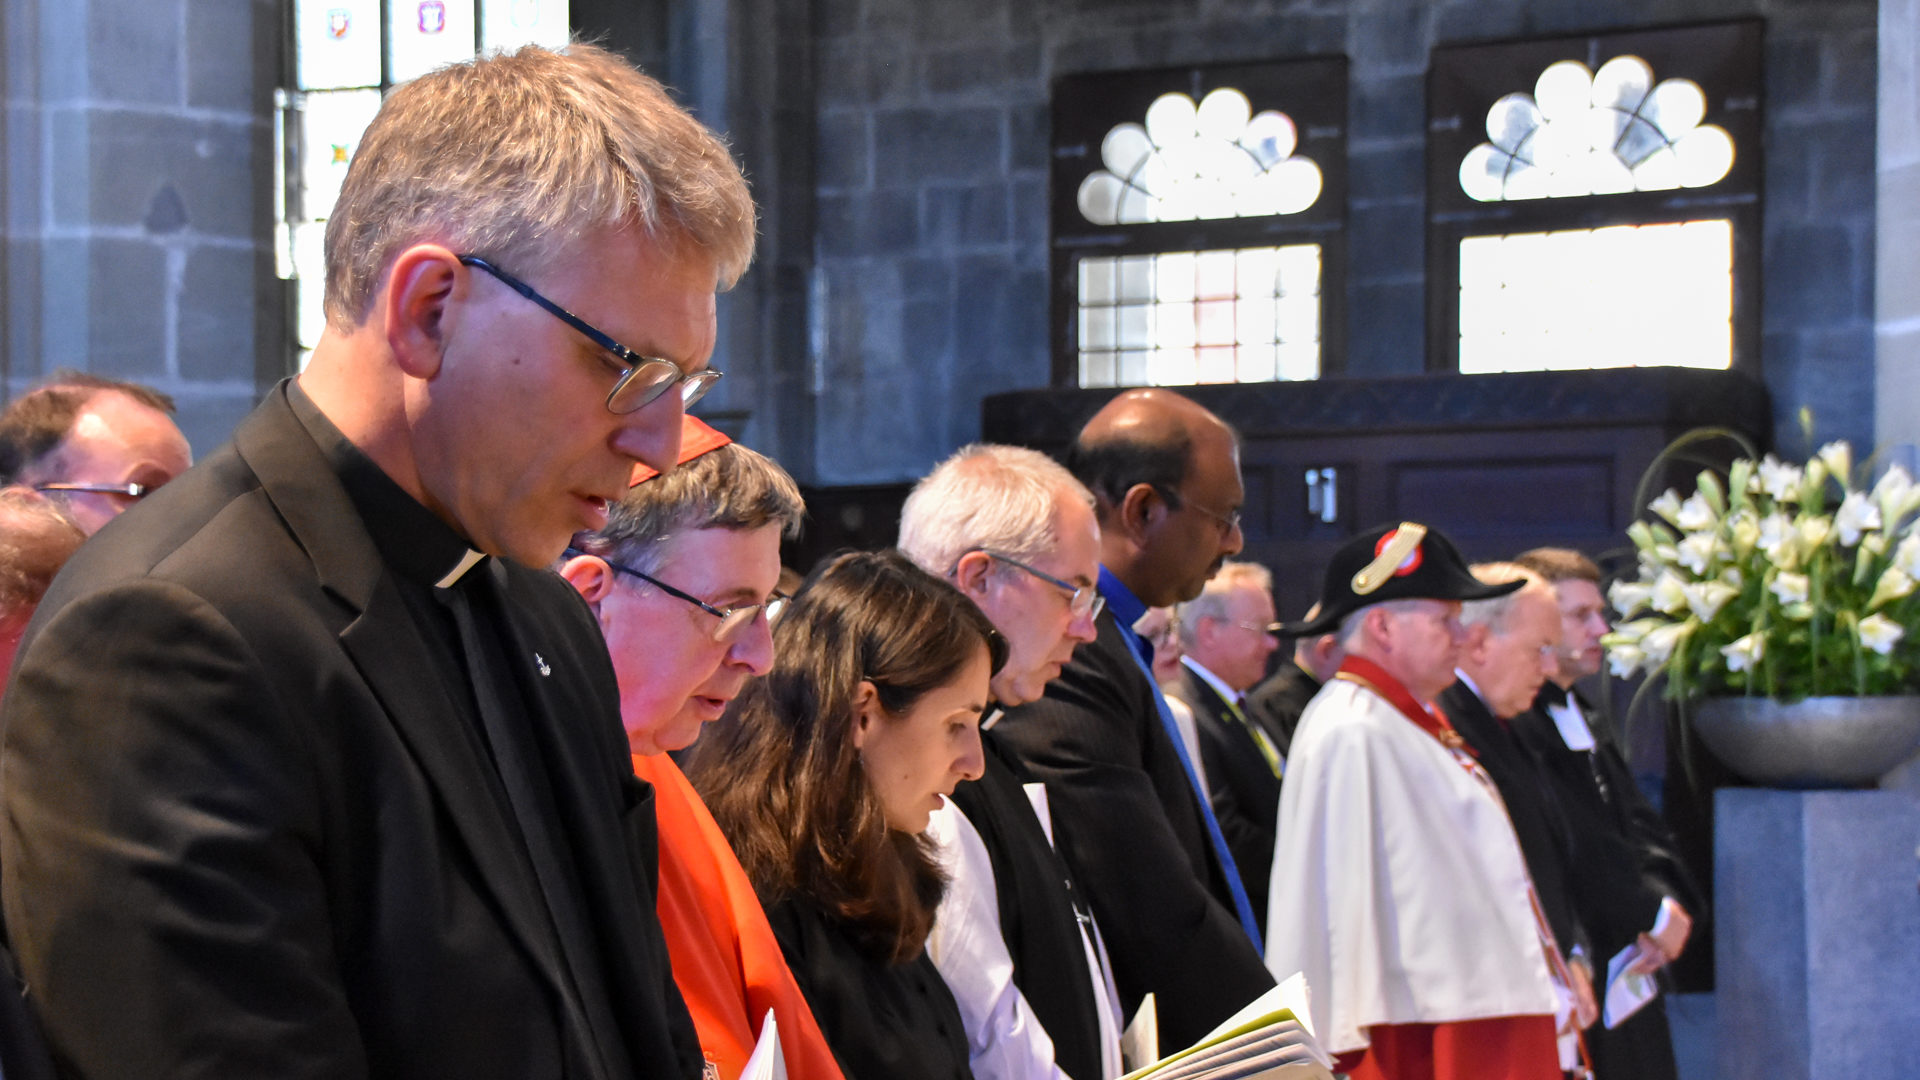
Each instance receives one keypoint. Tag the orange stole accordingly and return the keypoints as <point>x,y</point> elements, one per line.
<point>725,959</point>
<point>1499,1048</point>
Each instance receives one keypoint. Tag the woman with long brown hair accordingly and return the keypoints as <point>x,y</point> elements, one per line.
<point>823,774</point>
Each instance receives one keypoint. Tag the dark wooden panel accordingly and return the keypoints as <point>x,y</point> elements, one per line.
<point>1501,497</point>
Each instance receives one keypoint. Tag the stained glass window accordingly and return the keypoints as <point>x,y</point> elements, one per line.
<point>345,59</point>
<point>1213,160</point>
<point>1217,195</point>
<point>1583,132</point>
<point>1593,202</point>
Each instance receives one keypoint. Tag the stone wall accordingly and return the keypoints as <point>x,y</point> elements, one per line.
<point>900,150</point>
<point>931,146</point>
<point>137,199</point>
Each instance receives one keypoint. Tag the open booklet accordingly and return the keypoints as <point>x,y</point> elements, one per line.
<point>766,1062</point>
<point>1270,1039</point>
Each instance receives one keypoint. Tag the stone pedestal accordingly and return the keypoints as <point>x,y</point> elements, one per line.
<point>1817,932</point>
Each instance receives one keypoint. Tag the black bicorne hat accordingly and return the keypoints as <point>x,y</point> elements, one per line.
<point>1408,561</point>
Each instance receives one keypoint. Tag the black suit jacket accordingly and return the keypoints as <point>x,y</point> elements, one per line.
<point>1624,862</point>
<point>1036,905</point>
<point>1545,837</point>
<point>249,832</point>
<point>1241,785</point>
<point>1276,704</point>
<point>1131,830</point>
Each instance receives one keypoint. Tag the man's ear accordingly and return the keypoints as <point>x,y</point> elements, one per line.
<point>970,573</point>
<point>416,296</point>
<point>1474,644</point>
<point>866,712</point>
<point>590,576</point>
<point>1140,510</point>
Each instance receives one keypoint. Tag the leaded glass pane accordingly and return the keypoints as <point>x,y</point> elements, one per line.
<point>1245,315</point>
<point>426,34</point>
<point>337,43</point>
<point>1620,296</point>
<point>331,124</point>
<point>509,24</point>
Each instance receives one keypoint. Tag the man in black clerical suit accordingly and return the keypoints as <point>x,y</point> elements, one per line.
<point>310,769</point>
<point>1504,659</point>
<point>1134,825</point>
<point>1277,702</point>
<point>1014,937</point>
<point>1630,887</point>
<point>1227,635</point>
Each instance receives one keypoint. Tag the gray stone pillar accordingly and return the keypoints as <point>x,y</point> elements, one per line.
<point>1816,933</point>
<point>137,202</point>
<point>1897,247</point>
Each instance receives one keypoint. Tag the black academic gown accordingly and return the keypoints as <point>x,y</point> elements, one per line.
<point>1624,863</point>
<point>252,827</point>
<point>1037,909</point>
<point>1131,830</point>
<point>1240,784</point>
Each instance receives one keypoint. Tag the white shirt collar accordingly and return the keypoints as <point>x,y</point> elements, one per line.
<point>1574,729</point>
<point>1227,693</point>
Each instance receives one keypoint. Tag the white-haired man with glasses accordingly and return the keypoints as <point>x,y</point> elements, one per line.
<point>313,767</point>
<point>1016,533</point>
<point>1508,653</point>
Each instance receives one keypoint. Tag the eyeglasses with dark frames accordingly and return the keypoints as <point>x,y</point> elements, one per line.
<point>131,491</point>
<point>732,620</point>
<point>646,377</point>
<point>1082,600</point>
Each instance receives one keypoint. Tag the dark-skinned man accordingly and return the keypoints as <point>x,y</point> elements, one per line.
<point>1165,474</point>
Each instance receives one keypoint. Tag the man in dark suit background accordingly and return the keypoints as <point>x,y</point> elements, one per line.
<point>310,770</point>
<point>1276,704</point>
<point>1227,635</point>
<point>1630,887</point>
<point>1136,830</point>
<point>1506,655</point>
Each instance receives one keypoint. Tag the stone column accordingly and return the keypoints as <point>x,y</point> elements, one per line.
<point>1897,248</point>
<point>138,200</point>
<point>1816,929</point>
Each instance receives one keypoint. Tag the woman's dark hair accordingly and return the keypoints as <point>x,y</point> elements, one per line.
<point>780,772</point>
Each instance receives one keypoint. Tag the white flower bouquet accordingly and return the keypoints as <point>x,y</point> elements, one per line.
<point>1789,581</point>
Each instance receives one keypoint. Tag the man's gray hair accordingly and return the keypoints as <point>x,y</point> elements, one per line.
<point>1350,623</point>
<point>1212,601</point>
<point>986,496</point>
<point>1493,613</point>
<point>728,488</point>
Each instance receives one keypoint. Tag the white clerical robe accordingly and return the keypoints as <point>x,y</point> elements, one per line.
<point>1398,885</point>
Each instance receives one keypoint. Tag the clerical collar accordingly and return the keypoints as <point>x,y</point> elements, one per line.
<point>415,543</point>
